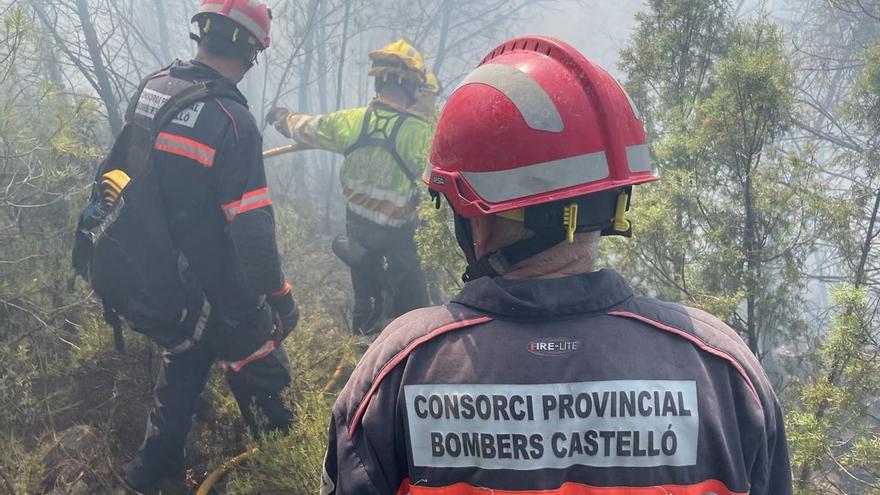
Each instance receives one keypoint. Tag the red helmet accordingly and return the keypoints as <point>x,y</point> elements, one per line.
<point>535,123</point>
<point>253,15</point>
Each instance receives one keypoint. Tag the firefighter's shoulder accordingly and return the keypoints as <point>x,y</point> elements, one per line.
<point>705,331</point>
<point>235,114</point>
<point>392,348</point>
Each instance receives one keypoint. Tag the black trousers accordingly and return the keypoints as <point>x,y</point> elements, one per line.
<point>390,269</point>
<point>182,378</point>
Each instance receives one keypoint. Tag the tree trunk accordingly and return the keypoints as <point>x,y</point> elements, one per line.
<point>859,278</point>
<point>751,260</point>
<point>325,160</point>
<point>342,51</point>
<point>102,77</point>
<point>299,172</point>
<point>49,57</point>
<point>444,36</point>
<point>162,21</point>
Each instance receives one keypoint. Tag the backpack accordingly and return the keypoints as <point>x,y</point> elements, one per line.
<point>125,250</point>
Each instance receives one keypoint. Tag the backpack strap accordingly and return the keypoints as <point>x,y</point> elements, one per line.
<point>388,143</point>
<point>179,102</point>
<point>123,139</point>
<point>391,147</point>
<point>364,136</point>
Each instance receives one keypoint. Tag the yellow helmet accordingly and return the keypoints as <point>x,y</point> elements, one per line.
<point>398,58</point>
<point>431,84</point>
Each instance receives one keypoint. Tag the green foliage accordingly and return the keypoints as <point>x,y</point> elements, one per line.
<point>727,229</point>
<point>20,469</point>
<point>864,106</point>
<point>669,57</point>
<point>752,92</point>
<point>292,463</point>
<point>833,422</point>
<point>438,250</point>
<point>732,220</point>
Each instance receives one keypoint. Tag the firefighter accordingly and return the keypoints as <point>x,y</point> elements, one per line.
<point>385,146</point>
<point>210,172</point>
<point>543,375</point>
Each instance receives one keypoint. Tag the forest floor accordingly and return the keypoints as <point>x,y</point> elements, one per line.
<point>95,409</point>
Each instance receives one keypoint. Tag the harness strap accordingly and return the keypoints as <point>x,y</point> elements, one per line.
<point>389,143</point>
<point>180,101</point>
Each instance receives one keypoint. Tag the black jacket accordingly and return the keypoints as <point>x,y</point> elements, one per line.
<point>209,165</point>
<point>570,385</point>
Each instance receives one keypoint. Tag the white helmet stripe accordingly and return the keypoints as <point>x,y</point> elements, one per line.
<point>533,103</point>
<point>632,104</point>
<point>505,185</point>
<point>638,158</point>
<point>248,23</point>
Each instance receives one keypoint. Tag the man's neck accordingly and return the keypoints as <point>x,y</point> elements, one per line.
<point>561,260</point>
<point>230,69</point>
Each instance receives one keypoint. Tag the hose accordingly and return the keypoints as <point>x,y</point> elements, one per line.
<point>288,148</point>
<point>228,465</point>
<point>334,377</point>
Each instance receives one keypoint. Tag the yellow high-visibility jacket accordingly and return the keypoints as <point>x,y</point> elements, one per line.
<point>377,185</point>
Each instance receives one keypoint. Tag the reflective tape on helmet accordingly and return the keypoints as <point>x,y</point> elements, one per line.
<point>238,16</point>
<point>249,24</point>
<point>638,158</point>
<point>185,147</point>
<point>632,104</point>
<point>505,185</point>
<point>533,103</point>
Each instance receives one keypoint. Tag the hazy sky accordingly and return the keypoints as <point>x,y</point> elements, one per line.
<point>598,28</point>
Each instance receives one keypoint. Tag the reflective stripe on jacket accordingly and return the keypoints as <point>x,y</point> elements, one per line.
<point>557,386</point>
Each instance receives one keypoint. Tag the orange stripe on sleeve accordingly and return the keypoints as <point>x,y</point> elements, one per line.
<point>186,147</point>
<point>250,200</point>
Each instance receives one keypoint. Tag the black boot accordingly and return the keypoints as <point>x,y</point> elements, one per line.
<point>145,476</point>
